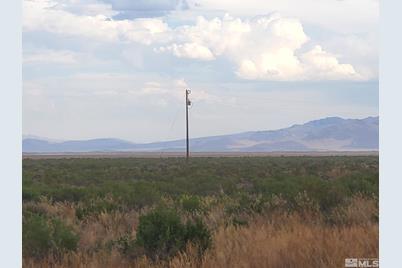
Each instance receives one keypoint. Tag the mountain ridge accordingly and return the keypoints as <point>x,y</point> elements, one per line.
<point>325,134</point>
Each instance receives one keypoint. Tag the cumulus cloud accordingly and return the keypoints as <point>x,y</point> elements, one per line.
<point>268,47</point>
<point>189,50</point>
<point>323,65</point>
<point>263,48</point>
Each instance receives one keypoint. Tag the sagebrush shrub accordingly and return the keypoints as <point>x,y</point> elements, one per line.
<point>162,234</point>
<point>42,236</point>
<point>199,235</point>
<point>63,237</point>
<point>36,236</point>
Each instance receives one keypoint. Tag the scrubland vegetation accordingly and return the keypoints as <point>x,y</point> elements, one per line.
<point>209,212</point>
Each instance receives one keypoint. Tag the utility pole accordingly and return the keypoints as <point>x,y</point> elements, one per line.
<point>188,103</point>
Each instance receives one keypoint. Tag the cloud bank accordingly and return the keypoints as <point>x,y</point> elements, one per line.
<point>269,47</point>
<point>263,48</point>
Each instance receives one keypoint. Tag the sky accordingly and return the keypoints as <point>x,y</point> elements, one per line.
<point>119,68</point>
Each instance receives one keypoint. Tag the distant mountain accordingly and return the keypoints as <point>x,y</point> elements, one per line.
<point>102,145</point>
<point>34,137</point>
<point>328,134</point>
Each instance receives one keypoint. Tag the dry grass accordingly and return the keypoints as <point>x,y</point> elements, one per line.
<point>293,244</point>
<point>303,239</point>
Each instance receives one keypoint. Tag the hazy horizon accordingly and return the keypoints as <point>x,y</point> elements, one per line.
<point>33,136</point>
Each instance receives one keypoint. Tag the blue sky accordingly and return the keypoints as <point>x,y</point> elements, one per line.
<point>118,68</point>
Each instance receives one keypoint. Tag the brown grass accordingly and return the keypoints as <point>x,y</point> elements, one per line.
<point>272,239</point>
<point>293,244</point>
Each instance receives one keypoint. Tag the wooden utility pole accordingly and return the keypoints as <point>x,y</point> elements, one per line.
<point>188,103</point>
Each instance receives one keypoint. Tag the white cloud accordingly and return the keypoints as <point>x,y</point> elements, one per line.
<point>361,49</point>
<point>323,65</point>
<point>189,50</point>
<point>262,48</point>
<point>342,16</point>
<point>44,15</point>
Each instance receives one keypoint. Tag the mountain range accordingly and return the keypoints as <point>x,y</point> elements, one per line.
<point>327,134</point>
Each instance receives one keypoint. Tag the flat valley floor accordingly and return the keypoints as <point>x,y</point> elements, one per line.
<point>215,210</point>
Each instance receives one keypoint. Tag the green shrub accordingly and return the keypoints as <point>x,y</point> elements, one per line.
<point>71,194</point>
<point>136,195</point>
<point>29,194</point>
<point>36,237</point>
<point>94,207</point>
<point>42,236</point>
<point>64,239</point>
<point>361,183</point>
<point>198,234</point>
<point>162,234</point>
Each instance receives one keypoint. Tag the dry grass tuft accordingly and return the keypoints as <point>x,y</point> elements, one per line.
<point>279,240</point>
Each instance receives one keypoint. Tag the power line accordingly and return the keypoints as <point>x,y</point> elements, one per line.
<point>168,135</point>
